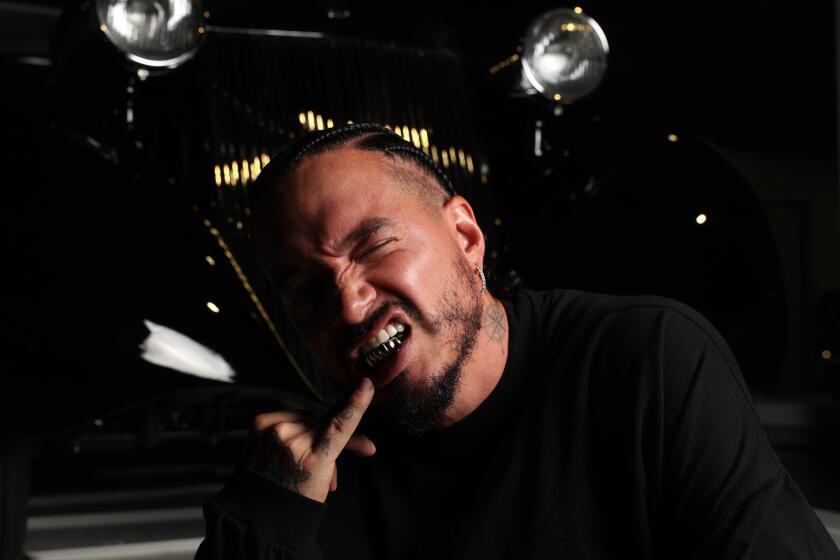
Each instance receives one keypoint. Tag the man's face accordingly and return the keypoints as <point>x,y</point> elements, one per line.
<point>355,256</point>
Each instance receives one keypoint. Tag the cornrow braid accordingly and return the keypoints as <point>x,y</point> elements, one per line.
<point>372,137</point>
<point>324,140</point>
<point>391,144</point>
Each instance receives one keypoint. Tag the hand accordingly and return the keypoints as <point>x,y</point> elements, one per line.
<point>301,455</point>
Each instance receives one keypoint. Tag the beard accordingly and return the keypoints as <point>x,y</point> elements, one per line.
<point>413,408</point>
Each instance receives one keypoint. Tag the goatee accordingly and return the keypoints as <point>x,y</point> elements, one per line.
<point>412,408</point>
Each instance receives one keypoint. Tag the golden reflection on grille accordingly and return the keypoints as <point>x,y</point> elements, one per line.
<point>236,172</point>
<point>504,64</point>
<point>420,137</point>
<point>240,173</point>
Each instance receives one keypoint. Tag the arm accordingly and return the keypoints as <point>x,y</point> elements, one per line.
<point>272,510</point>
<point>254,517</point>
<point>723,485</point>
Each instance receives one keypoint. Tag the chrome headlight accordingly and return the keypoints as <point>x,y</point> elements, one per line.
<point>565,54</point>
<point>158,33</point>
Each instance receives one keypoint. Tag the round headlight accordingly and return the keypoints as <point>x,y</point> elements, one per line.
<point>153,32</point>
<point>564,55</point>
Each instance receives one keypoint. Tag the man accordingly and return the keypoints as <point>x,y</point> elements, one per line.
<point>553,424</point>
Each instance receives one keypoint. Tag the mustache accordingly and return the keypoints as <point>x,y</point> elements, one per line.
<point>361,329</point>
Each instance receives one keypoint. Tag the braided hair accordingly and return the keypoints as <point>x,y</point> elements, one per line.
<point>367,136</point>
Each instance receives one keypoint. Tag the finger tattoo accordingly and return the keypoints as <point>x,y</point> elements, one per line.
<point>276,461</point>
<point>323,446</point>
<point>296,477</point>
<point>347,413</point>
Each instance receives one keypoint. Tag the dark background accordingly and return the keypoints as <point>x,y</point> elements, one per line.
<point>103,222</point>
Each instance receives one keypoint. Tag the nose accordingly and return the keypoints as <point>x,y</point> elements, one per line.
<point>355,296</point>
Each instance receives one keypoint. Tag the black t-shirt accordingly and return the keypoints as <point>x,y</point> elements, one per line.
<point>621,427</point>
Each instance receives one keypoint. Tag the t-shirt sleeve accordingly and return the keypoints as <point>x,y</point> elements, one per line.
<point>254,518</point>
<point>725,493</point>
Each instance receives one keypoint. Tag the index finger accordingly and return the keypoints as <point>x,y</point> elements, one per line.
<point>343,424</point>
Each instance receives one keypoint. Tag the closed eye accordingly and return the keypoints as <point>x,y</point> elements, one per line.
<point>376,247</point>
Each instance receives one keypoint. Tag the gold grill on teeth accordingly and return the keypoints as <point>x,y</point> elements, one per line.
<point>379,352</point>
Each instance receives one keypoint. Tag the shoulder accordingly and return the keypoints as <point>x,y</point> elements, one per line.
<point>617,331</point>
<point>559,311</point>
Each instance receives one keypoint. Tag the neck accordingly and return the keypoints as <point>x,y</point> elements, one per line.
<point>484,369</point>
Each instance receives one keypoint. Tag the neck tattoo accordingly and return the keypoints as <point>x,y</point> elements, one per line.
<point>493,324</point>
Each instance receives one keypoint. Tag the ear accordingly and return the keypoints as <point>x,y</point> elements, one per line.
<point>465,229</point>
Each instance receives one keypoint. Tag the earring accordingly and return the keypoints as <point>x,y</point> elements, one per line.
<point>483,278</point>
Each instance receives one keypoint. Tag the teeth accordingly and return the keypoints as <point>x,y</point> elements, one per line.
<point>375,355</point>
<point>390,330</point>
